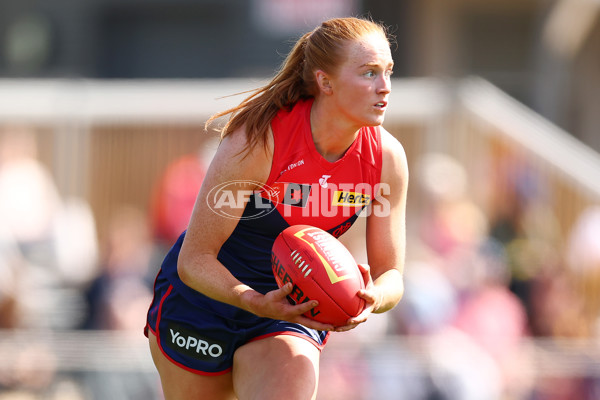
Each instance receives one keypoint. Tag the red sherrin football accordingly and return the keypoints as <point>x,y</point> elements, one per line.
<point>321,268</point>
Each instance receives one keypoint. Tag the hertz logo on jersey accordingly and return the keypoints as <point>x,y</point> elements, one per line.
<point>351,199</point>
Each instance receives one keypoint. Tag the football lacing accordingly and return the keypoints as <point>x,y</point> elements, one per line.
<point>297,258</point>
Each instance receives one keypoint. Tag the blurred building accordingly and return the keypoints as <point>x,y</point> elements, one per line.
<point>544,53</point>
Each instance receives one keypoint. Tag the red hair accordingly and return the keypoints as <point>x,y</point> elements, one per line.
<point>321,49</point>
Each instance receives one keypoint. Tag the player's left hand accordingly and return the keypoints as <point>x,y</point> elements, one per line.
<point>369,294</point>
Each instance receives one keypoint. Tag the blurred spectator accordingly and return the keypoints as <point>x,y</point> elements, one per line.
<point>583,246</point>
<point>174,197</point>
<point>461,369</point>
<point>29,199</point>
<point>120,294</point>
<point>48,245</point>
<point>75,243</point>
<point>429,303</point>
<point>442,183</point>
<point>11,261</point>
<point>458,284</point>
<point>522,220</point>
<point>47,254</point>
<point>556,307</point>
<point>119,297</point>
<point>583,260</point>
<point>494,318</point>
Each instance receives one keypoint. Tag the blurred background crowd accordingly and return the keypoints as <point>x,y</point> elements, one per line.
<point>102,152</point>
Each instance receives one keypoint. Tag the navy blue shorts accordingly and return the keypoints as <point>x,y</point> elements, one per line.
<point>201,340</point>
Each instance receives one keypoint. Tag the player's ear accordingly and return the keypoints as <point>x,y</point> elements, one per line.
<point>323,82</point>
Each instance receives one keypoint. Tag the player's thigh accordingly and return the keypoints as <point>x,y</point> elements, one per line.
<point>278,367</point>
<point>179,384</point>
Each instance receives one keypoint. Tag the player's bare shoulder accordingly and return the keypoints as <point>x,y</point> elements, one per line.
<point>252,162</point>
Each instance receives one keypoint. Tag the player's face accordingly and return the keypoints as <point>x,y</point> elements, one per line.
<point>362,83</point>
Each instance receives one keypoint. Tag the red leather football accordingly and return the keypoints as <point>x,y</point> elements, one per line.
<point>320,268</point>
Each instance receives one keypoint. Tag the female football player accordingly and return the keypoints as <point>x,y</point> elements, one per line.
<point>307,148</point>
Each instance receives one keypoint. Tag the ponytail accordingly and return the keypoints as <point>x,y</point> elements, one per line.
<point>258,109</point>
<point>319,49</point>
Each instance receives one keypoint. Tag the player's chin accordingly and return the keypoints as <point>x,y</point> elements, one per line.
<point>375,120</point>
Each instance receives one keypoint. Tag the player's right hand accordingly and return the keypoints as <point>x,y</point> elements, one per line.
<point>275,305</point>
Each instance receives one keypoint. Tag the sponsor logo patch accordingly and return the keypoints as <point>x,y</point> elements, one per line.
<point>227,198</point>
<point>352,199</point>
<point>335,271</point>
<point>323,181</point>
<point>192,344</point>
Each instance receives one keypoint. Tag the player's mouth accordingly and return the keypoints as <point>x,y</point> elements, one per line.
<point>382,105</point>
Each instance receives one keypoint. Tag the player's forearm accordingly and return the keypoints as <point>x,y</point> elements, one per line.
<point>390,288</point>
<point>205,274</point>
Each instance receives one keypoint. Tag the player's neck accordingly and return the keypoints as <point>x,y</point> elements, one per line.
<point>331,136</point>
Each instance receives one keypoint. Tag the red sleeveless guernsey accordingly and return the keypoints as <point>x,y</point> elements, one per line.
<point>302,188</point>
<point>305,188</point>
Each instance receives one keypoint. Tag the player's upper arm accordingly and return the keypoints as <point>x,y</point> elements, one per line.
<point>213,220</point>
<point>386,225</point>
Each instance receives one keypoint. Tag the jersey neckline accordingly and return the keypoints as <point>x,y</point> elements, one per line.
<point>313,148</point>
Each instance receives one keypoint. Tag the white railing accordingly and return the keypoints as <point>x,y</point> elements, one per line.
<point>579,163</point>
